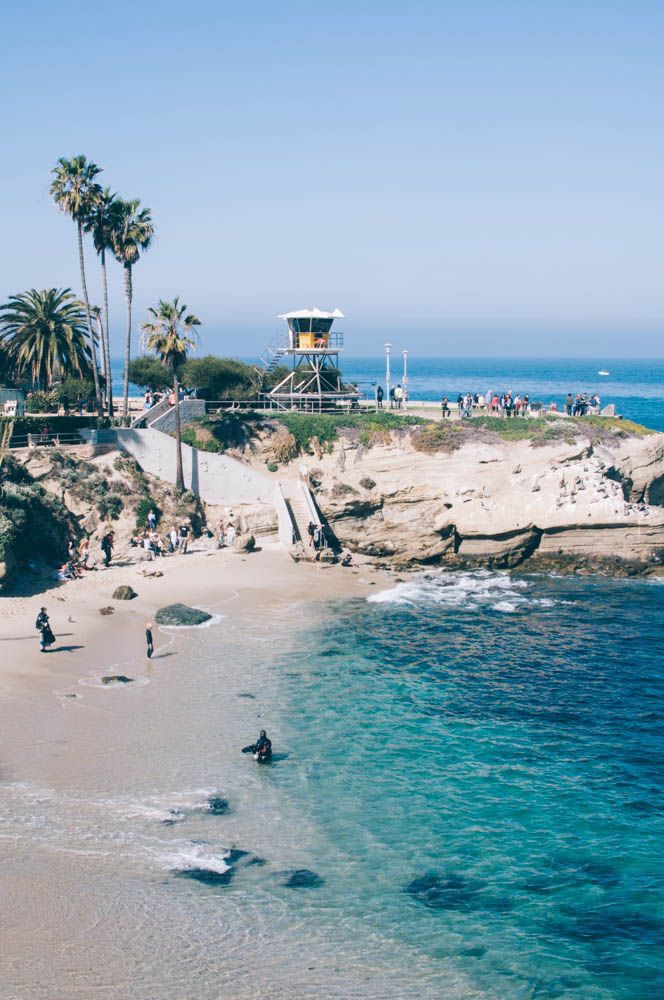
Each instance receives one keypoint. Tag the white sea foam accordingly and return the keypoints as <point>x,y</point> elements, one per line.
<point>193,856</point>
<point>465,590</point>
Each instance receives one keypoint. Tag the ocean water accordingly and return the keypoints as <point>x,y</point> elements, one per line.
<point>486,754</point>
<point>635,387</point>
<point>466,801</point>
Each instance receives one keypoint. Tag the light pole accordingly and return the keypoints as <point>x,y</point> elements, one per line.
<point>387,372</point>
<point>405,378</point>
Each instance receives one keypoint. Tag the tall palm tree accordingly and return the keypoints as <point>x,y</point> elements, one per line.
<point>75,191</point>
<point>44,332</point>
<point>134,232</point>
<point>169,335</point>
<point>101,223</point>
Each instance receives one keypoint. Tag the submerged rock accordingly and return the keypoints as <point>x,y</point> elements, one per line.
<point>301,878</point>
<point>450,891</point>
<point>124,593</point>
<point>181,614</point>
<point>208,876</point>
<point>218,806</point>
<point>117,679</point>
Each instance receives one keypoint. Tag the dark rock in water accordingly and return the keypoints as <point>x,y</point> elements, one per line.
<point>235,854</point>
<point>124,593</point>
<point>301,878</point>
<point>117,679</point>
<point>247,694</point>
<point>218,806</point>
<point>257,861</point>
<point>180,614</point>
<point>476,951</point>
<point>450,891</point>
<point>107,611</point>
<point>206,875</point>
<point>71,696</point>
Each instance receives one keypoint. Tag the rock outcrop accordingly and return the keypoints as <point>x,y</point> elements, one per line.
<point>180,614</point>
<point>572,504</point>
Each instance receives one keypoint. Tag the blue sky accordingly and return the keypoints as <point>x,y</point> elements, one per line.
<point>468,178</point>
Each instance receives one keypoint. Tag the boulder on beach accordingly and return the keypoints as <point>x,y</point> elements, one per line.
<point>124,593</point>
<point>107,611</point>
<point>181,614</point>
<point>245,543</point>
<point>117,679</point>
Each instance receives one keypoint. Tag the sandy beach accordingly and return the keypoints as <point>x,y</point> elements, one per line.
<point>205,576</point>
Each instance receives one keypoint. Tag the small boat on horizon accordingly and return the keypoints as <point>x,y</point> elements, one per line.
<point>603,373</point>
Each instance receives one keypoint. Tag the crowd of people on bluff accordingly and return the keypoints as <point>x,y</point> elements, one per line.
<point>511,405</point>
<point>397,397</point>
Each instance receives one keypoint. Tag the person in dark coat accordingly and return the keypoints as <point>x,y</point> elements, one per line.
<point>43,624</point>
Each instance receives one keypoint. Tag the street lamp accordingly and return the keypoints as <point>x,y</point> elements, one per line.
<point>405,378</point>
<point>387,372</point>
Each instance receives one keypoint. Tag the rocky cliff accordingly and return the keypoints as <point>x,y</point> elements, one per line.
<point>571,504</point>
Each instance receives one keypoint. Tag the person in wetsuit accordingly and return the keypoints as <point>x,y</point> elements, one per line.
<point>148,639</point>
<point>261,749</point>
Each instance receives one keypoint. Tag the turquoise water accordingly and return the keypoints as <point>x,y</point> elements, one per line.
<point>483,755</point>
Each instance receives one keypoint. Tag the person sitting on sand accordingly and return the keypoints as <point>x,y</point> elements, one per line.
<point>347,559</point>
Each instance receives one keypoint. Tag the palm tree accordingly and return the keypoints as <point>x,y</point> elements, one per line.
<point>44,332</point>
<point>134,232</point>
<point>167,335</point>
<point>75,191</point>
<point>101,223</point>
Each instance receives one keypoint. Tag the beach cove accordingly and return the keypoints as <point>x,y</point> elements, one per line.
<point>442,817</point>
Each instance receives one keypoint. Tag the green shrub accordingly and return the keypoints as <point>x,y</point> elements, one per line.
<point>42,402</point>
<point>149,373</point>
<point>144,506</point>
<point>109,507</point>
<point>272,467</point>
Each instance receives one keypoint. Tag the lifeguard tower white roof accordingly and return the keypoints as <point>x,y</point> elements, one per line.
<point>314,313</point>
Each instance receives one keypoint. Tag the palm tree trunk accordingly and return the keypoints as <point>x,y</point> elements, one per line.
<point>127,354</point>
<point>93,347</point>
<point>179,474</point>
<point>104,360</point>
<point>107,340</point>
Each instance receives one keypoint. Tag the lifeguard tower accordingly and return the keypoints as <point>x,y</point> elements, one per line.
<point>311,350</point>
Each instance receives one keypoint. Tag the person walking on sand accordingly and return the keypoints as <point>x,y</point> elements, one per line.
<point>44,626</point>
<point>148,640</point>
<point>445,406</point>
<point>152,520</point>
<point>184,537</point>
<point>172,539</point>
<point>106,546</point>
<point>221,535</point>
<point>230,535</point>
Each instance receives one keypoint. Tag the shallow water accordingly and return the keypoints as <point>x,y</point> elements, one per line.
<point>466,801</point>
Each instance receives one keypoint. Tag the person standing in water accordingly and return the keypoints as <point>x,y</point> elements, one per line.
<point>44,626</point>
<point>148,639</point>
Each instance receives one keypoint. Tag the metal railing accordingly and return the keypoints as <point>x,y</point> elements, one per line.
<point>45,440</point>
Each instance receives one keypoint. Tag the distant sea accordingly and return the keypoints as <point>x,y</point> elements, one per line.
<point>635,387</point>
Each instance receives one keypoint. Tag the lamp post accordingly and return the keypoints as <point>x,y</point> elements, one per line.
<point>405,379</point>
<point>387,372</point>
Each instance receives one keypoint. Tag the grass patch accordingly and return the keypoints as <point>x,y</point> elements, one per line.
<point>326,427</point>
